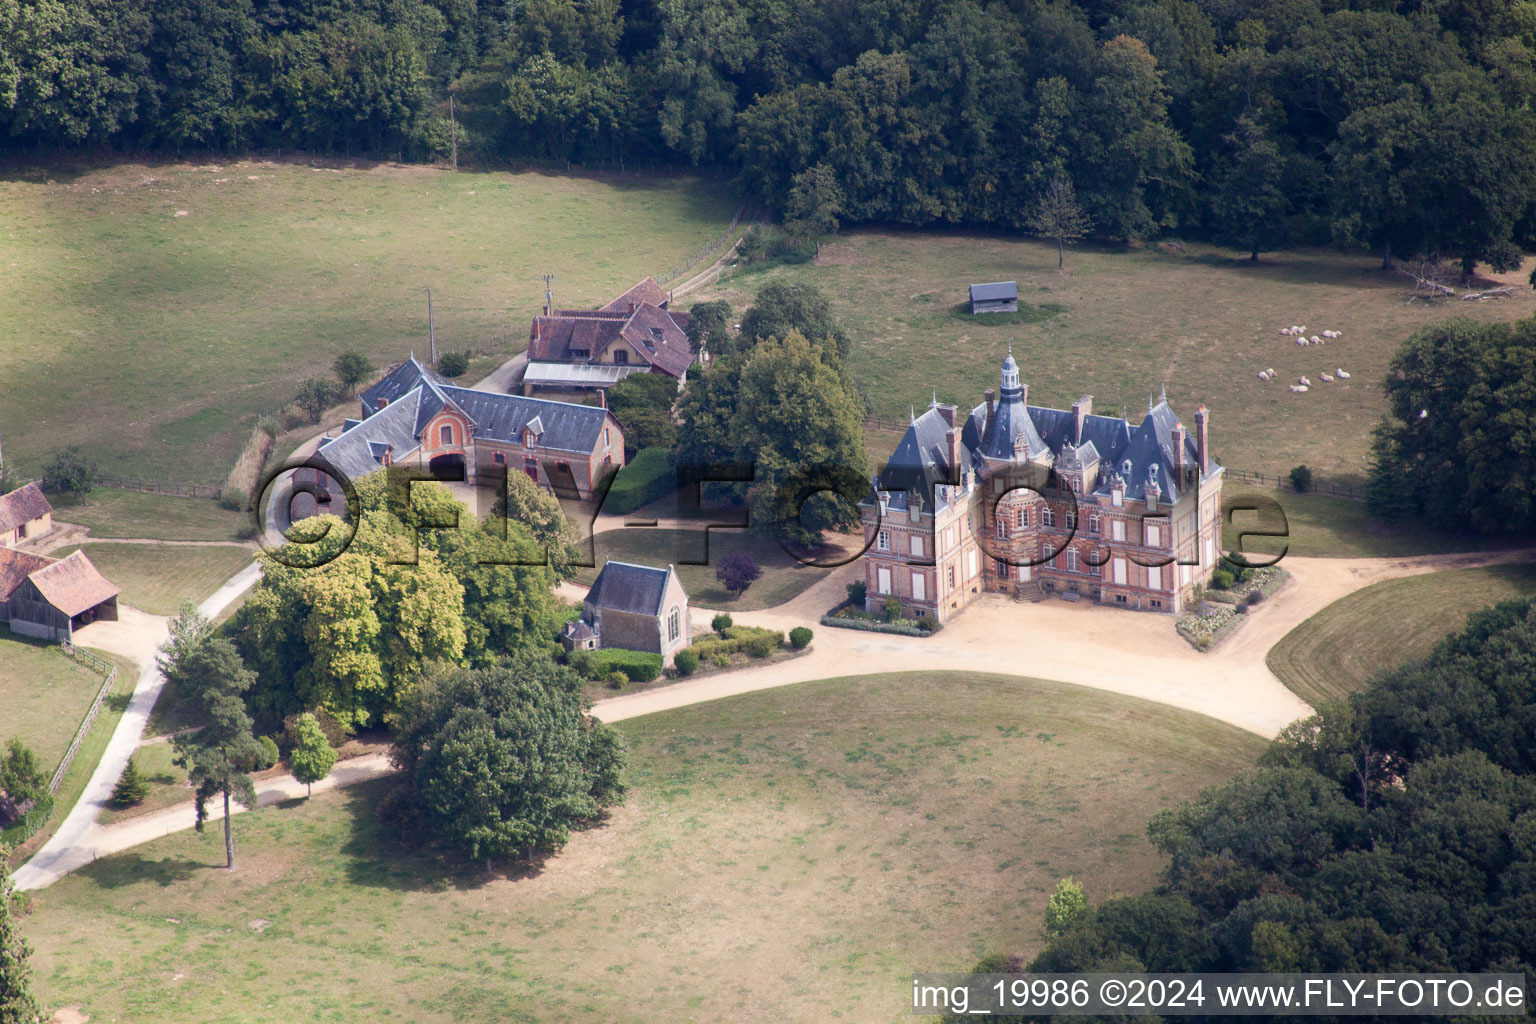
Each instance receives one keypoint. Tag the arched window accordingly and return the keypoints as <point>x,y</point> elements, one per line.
<point>1047,516</point>
<point>445,433</point>
<point>1093,524</point>
<point>674,624</point>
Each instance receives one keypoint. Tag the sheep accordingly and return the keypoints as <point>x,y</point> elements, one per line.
<point>1342,375</point>
<point>1302,341</point>
<point>1271,371</point>
<point>1304,380</point>
<point>1285,330</point>
<point>1298,388</point>
<point>1327,378</point>
<point>1263,375</point>
<point>1330,334</point>
<point>1315,340</point>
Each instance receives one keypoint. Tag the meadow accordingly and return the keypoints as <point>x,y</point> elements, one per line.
<point>789,855</point>
<point>158,309</point>
<point>112,512</point>
<point>159,578</point>
<point>1341,648</point>
<point>1120,324</point>
<point>44,695</point>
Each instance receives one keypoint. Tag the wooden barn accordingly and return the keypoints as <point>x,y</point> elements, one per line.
<point>51,597</point>
<point>24,514</point>
<point>997,297</point>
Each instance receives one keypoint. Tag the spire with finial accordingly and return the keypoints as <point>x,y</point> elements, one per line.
<point>912,415</point>
<point>1165,392</point>
<point>935,403</point>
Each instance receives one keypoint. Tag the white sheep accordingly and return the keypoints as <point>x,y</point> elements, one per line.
<point>1315,340</point>
<point>1327,378</point>
<point>1270,371</point>
<point>1297,388</point>
<point>1304,381</point>
<point>1342,375</point>
<point>1301,341</point>
<point>1330,334</point>
<point>1263,375</point>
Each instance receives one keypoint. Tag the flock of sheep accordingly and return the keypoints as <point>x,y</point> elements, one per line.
<point>1304,383</point>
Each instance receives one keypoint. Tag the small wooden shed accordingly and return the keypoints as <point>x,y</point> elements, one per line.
<point>996,297</point>
<point>50,597</point>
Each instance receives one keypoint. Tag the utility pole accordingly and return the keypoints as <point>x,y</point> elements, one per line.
<point>549,295</point>
<point>453,131</point>
<point>431,328</point>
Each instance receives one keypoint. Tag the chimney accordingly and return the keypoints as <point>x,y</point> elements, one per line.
<point>991,403</point>
<point>602,398</point>
<point>952,440</point>
<point>947,413</point>
<point>1081,410</point>
<point>1202,439</point>
<point>1180,437</point>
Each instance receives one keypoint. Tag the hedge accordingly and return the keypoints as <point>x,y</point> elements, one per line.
<point>873,626</point>
<point>642,480</point>
<point>639,666</point>
<point>736,639</point>
<point>30,823</point>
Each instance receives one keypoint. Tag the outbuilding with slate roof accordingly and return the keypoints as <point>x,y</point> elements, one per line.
<point>592,349</point>
<point>634,607</point>
<point>995,297</point>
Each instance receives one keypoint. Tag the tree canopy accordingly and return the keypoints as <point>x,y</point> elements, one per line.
<point>504,760</point>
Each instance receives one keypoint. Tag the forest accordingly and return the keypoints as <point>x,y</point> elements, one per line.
<point>1405,126</point>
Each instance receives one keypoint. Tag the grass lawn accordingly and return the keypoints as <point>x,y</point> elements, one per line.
<point>167,783</point>
<point>783,578</point>
<point>43,695</point>
<point>789,855</point>
<point>1341,648</point>
<point>157,578</point>
<point>94,745</point>
<point>1322,526</point>
<point>1204,322</point>
<point>194,297</point>
<point>134,514</point>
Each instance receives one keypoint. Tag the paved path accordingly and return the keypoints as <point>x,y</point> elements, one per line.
<point>101,840</point>
<point>1139,655</point>
<point>138,636</point>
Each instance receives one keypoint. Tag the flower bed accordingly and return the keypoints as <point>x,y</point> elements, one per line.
<point>849,616</point>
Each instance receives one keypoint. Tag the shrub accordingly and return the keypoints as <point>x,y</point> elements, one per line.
<point>800,637</point>
<point>638,666</point>
<point>892,608</point>
<point>131,788</point>
<point>1255,596</point>
<point>269,753</point>
<point>646,477</point>
<point>1301,479</point>
<point>584,664</point>
<point>927,623</point>
<point>721,622</point>
<point>315,395</point>
<point>720,660</point>
<point>737,571</point>
<point>1221,579</point>
<point>232,498</point>
<point>857,591</point>
<point>1205,643</point>
<point>616,679</point>
<point>453,364</point>
<point>70,472</point>
<point>762,646</point>
<point>687,662</point>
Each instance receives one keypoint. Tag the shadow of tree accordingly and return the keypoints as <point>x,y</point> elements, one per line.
<point>129,868</point>
<point>117,703</point>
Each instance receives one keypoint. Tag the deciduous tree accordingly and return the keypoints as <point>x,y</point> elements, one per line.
<point>1057,216</point>
<point>313,757</point>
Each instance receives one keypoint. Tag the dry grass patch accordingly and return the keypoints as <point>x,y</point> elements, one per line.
<point>1341,648</point>
<point>789,855</point>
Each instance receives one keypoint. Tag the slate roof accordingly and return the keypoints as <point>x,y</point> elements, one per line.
<point>23,505</point>
<point>72,584</point>
<point>921,461</point>
<point>1136,453</point>
<point>397,383</point>
<point>360,450</point>
<point>995,290</point>
<point>16,566</point>
<point>567,426</point>
<point>579,629</point>
<point>646,292</point>
<point>625,587</point>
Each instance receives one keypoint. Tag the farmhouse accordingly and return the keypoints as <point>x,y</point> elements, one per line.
<point>1014,498</point>
<point>24,514</point>
<point>413,418</point>
<point>593,349</point>
<point>636,607</point>
<point>998,297</point>
<point>50,597</point>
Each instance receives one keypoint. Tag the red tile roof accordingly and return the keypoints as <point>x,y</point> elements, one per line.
<point>72,584</point>
<point>16,566</point>
<point>22,505</point>
<point>647,292</point>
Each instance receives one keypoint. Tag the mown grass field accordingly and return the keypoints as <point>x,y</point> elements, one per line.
<point>1323,526</point>
<point>783,578</point>
<point>110,512</point>
<point>1341,648</point>
<point>156,310</point>
<point>43,696</point>
<point>158,578</point>
<point>1123,323</point>
<point>789,855</point>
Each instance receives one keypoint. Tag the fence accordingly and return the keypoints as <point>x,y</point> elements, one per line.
<point>1283,480</point>
<point>124,483</point>
<point>693,260</point>
<point>108,669</point>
